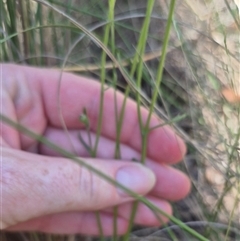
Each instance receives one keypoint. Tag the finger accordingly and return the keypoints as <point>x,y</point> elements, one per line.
<point>73,223</point>
<point>22,100</point>
<point>59,185</point>
<point>171,184</point>
<point>77,93</point>
<point>85,222</point>
<point>87,94</point>
<point>8,135</point>
<point>77,142</point>
<point>144,215</point>
<point>80,141</point>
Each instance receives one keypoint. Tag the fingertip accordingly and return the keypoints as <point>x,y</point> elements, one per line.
<point>171,183</point>
<point>165,146</point>
<point>183,186</point>
<point>161,219</point>
<point>154,217</point>
<point>147,215</point>
<point>180,148</point>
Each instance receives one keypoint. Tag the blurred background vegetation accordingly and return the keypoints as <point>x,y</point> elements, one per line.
<point>200,88</point>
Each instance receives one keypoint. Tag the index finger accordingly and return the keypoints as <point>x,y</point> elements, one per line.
<point>77,93</point>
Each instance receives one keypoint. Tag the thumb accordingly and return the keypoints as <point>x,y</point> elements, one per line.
<point>34,185</point>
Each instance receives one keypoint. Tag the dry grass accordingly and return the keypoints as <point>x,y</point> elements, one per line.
<point>201,80</point>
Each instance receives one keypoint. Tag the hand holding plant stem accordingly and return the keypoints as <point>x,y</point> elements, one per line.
<point>45,192</point>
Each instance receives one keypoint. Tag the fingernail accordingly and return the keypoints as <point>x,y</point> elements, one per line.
<point>135,177</point>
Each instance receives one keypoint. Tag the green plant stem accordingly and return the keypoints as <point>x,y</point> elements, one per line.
<point>238,184</point>
<point>84,164</point>
<point>96,40</point>
<point>117,154</point>
<point>138,63</point>
<point>54,36</point>
<point>162,62</point>
<point>11,5</point>
<point>39,20</point>
<point>26,36</point>
<point>231,12</point>
<point>98,218</point>
<point>35,28</point>
<point>102,78</point>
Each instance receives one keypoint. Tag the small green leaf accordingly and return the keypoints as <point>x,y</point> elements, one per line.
<point>84,118</point>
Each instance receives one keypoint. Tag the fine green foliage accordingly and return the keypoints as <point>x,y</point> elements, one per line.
<point>160,54</point>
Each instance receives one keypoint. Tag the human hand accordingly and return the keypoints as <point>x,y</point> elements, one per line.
<point>42,191</point>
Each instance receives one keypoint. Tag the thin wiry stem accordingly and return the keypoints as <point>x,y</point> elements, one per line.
<point>84,164</point>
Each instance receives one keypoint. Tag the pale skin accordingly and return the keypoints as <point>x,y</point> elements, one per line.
<point>42,191</point>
